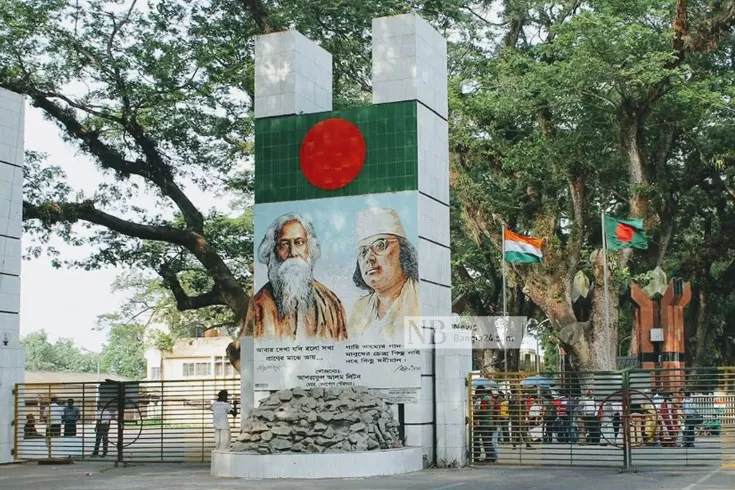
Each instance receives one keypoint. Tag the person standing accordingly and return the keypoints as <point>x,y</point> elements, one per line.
<point>504,428</point>
<point>55,415</point>
<point>519,429</point>
<point>488,424</point>
<point>617,409</point>
<point>591,422</point>
<point>550,423</point>
<point>69,418</point>
<point>102,431</point>
<point>690,422</point>
<point>220,409</point>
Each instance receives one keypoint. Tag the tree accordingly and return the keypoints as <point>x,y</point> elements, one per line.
<point>160,96</point>
<point>62,355</point>
<point>578,118</point>
<point>124,351</point>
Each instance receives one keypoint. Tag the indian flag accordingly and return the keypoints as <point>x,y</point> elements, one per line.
<point>522,249</point>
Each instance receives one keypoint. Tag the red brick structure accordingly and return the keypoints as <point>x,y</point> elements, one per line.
<point>667,314</point>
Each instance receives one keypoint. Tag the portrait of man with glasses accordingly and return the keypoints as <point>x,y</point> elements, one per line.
<point>387,268</point>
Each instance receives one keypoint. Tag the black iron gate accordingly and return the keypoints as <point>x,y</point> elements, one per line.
<point>147,421</point>
<point>651,418</point>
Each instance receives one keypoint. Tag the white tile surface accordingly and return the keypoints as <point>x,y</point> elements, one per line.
<point>433,219</point>
<point>292,75</point>
<point>433,154</point>
<point>419,413</point>
<point>11,188</point>
<point>409,62</point>
<point>434,263</point>
<point>10,255</point>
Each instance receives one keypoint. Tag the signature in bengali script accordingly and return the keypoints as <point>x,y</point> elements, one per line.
<point>272,367</point>
<point>404,369</point>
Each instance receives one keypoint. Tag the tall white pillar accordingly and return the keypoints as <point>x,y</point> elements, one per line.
<point>410,63</point>
<point>12,358</point>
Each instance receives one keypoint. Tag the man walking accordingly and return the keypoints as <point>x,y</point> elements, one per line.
<point>102,431</point>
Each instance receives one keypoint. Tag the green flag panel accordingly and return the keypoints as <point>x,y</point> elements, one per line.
<point>391,162</point>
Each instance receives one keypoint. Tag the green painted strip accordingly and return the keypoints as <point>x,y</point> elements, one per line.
<point>391,164</point>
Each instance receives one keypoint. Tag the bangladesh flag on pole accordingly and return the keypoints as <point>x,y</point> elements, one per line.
<point>625,233</point>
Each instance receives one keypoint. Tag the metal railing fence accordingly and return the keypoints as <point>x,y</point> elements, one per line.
<point>145,421</point>
<point>661,417</point>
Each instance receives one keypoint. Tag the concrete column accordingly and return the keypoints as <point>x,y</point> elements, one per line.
<point>410,63</point>
<point>247,371</point>
<point>12,358</point>
<point>292,75</point>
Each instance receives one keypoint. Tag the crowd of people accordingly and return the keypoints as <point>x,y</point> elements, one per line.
<point>522,419</point>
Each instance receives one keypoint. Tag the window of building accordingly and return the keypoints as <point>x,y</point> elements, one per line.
<point>223,368</point>
<point>155,373</point>
<point>197,369</point>
<point>204,369</point>
<point>189,369</point>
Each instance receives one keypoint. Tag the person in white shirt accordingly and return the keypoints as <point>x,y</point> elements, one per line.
<point>55,414</point>
<point>220,409</point>
<point>591,422</point>
<point>690,422</point>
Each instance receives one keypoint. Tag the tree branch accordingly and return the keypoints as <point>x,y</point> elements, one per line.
<point>153,170</point>
<point>56,212</point>
<point>259,14</point>
<point>185,302</point>
<point>707,34</point>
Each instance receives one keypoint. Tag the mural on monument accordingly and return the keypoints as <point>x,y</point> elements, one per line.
<point>292,303</point>
<point>334,281</point>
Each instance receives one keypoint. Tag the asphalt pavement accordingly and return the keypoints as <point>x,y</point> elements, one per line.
<point>104,476</point>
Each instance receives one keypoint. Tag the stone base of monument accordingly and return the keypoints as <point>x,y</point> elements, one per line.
<point>229,464</point>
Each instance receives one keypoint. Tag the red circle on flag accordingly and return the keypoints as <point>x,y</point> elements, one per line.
<point>332,153</point>
<point>624,233</point>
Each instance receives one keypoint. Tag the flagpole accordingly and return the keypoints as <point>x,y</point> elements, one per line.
<point>505,312</point>
<point>604,270</point>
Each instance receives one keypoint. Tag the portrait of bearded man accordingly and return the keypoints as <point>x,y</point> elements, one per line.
<point>292,303</point>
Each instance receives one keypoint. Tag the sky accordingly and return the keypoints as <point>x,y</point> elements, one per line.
<point>64,302</point>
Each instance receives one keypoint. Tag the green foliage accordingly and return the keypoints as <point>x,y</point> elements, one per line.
<point>124,351</point>
<point>558,110</point>
<point>597,110</point>
<point>62,355</point>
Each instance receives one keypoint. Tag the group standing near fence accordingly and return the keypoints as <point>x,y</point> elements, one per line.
<point>525,420</point>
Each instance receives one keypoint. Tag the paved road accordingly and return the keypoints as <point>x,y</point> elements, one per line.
<point>196,477</point>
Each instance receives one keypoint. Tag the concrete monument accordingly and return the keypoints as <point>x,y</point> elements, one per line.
<point>12,359</point>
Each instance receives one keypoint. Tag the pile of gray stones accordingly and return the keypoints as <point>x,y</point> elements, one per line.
<point>319,420</point>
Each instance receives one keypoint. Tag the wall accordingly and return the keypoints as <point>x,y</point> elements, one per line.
<point>11,203</point>
<point>192,350</point>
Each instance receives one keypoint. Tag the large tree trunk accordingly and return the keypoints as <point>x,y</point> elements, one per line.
<point>701,335</point>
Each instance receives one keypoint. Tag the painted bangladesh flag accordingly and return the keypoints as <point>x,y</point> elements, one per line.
<point>625,233</point>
